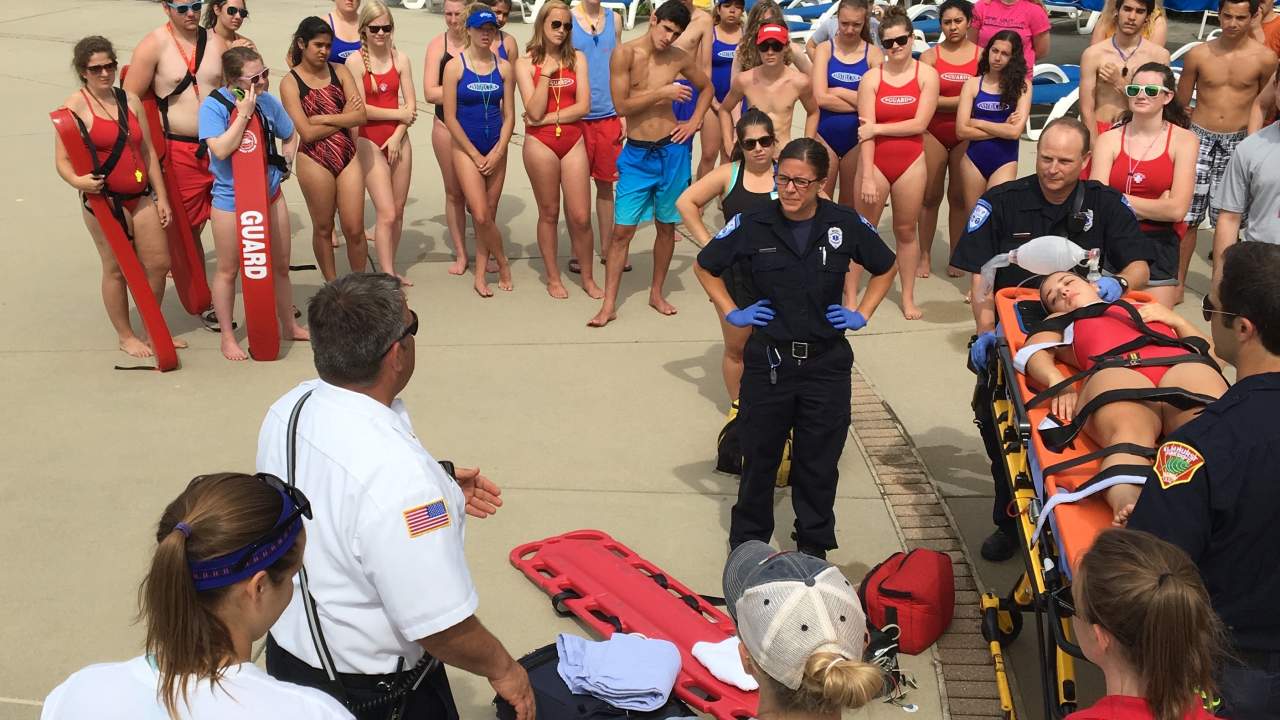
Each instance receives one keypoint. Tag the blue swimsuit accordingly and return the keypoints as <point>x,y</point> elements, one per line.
<point>479,109</point>
<point>340,48</point>
<point>840,130</point>
<point>722,54</point>
<point>992,154</point>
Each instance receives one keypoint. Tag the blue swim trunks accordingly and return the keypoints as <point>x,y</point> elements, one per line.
<point>651,175</point>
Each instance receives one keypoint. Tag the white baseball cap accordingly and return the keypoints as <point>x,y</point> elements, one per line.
<point>788,606</point>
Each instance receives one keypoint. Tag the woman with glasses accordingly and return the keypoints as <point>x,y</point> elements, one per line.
<point>1151,158</point>
<point>246,82</point>
<point>221,574</point>
<point>133,185</point>
<point>555,89</point>
<point>1093,338</point>
<point>994,106</point>
<point>895,103</point>
<point>797,363</point>
<point>747,56</point>
<point>382,143</point>
<point>479,111</point>
<point>742,185</point>
<point>225,18</point>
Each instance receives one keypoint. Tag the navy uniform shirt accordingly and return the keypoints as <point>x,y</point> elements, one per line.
<point>1012,213</point>
<point>1216,494</point>
<point>800,282</point>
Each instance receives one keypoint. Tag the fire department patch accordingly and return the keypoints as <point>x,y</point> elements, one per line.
<point>1176,462</point>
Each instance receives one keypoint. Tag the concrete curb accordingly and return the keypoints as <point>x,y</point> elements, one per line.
<point>966,675</point>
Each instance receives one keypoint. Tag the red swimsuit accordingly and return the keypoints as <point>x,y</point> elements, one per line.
<point>1147,179</point>
<point>381,91</point>
<point>1095,336</point>
<point>563,93</point>
<point>897,103</point>
<point>129,177</point>
<point>951,80</point>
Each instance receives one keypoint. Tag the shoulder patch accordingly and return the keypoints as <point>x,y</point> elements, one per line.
<point>1176,463</point>
<point>426,518</point>
<point>981,213</point>
<point>729,227</point>
<point>1125,199</point>
<point>867,223</point>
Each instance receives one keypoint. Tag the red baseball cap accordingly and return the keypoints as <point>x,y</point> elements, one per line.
<point>772,32</point>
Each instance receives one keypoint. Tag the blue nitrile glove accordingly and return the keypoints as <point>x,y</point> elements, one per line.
<point>842,318</point>
<point>1109,289</point>
<point>758,313</point>
<point>980,350</point>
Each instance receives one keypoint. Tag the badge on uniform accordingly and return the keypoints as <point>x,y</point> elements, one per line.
<point>979,216</point>
<point>1176,462</point>
<point>729,226</point>
<point>426,518</point>
<point>1088,220</point>
<point>835,237</point>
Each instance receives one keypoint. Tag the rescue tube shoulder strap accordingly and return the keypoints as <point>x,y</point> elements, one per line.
<point>202,39</point>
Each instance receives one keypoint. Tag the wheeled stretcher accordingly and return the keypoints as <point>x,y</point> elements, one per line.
<point>1054,534</point>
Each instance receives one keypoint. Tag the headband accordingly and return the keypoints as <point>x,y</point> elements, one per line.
<point>226,570</point>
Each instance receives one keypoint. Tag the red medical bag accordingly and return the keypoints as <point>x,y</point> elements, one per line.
<point>915,591</point>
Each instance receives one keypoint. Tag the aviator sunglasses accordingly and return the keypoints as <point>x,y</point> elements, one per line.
<point>188,8</point>
<point>558,24</point>
<point>1207,310</point>
<point>750,144</point>
<point>900,41</point>
<point>1148,90</point>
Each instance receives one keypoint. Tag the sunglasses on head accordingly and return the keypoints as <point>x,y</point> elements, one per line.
<point>411,329</point>
<point>750,144</point>
<point>184,9</point>
<point>381,29</point>
<point>771,46</point>
<point>1207,310</point>
<point>102,69</point>
<point>900,41</point>
<point>1148,90</point>
<point>301,509</point>
<point>235,11</point>
<point>558,24</point>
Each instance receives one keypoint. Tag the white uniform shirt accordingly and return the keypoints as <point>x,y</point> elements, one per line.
<point>384,555</point>
<point>127,691</point>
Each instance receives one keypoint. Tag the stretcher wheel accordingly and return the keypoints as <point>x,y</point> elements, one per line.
<point>1001,624</point>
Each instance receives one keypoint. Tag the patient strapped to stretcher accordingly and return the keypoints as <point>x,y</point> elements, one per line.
<point>1145,372</point>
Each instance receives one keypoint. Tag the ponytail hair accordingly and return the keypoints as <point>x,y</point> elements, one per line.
<point>309,29</point>
<point>1149,596</point>
<point>830,683</point>
<point>1173,112</point>
<point>752,117</point>
<point>233,62</point>
<point>895,15</point>
<point>215,516</point>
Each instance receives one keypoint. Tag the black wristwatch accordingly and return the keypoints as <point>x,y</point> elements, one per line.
<point>1124,284</point>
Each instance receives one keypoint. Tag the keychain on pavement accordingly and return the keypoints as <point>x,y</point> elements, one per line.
<point>773,366</point>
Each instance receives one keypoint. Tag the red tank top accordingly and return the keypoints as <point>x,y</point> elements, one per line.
<point>129,176</point>
<point>951,78</point>
<point>1094,336</point>
<point>1147,179</point>
<point>382,91</point>
<point>897,103</point>
<point>563,90</point>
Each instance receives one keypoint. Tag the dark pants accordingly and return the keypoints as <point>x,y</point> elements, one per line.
<point>1251,691</point>
<point>986,422</point>
<point>812,398</point>
<point>433,700</point>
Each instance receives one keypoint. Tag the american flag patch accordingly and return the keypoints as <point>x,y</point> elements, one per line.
<point>424,518</point>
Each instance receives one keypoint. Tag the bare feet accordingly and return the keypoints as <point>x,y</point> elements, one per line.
<point>922,267</point>
<point>1122,498</point>
<point>954,272</point>
<point>659,303</point>
<point>482,288</point>
<point>557,290</point>
<point>491,266</point>
<point>602,318</point>
<point>504,278</point>
<point>911,312</point>
<point>297,332</point>
<point>459,266</point>
<point>178,343</point>
<point>231,349</point>
<point>135,347</point>
<point>593,290</point>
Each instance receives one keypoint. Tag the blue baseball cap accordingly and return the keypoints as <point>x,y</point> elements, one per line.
<point>482,18</point>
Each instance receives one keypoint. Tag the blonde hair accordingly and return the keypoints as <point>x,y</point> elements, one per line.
<point>472,9</point>
<point>371,10</point>
<point>537,47</point>
<point>831,682</point>
<point>765,12</point>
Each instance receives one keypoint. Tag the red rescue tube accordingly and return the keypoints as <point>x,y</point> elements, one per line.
<point>118,239</point>
<point>253,230</point>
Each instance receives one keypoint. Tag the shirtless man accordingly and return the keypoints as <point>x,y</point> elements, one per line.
<point>181,63</point>
<point>654,166</point>
<point>775,86</point>
<point>1225,75</point>
<point>1105,67</point>
<point>696,40</point>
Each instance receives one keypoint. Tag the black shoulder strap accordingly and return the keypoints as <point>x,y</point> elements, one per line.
<point>333,76</point>
<point>202,40</point>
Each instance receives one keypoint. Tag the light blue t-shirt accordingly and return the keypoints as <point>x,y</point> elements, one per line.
<point>215,118</point>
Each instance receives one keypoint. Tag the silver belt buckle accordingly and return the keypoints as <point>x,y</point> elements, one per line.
<point>800,350</point>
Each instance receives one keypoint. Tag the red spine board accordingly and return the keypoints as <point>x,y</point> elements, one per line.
<point>253,229</point>
<point>185,262</point>
<point>118,239</point>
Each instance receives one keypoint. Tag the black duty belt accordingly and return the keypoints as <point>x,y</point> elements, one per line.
<point>797,349</point>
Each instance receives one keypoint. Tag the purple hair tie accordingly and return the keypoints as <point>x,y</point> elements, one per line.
<point>183,528</point>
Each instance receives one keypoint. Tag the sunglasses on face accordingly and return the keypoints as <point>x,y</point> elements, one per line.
<point>411,330</point>
<point>258,77</point>
<point>558,24</point>
<point>301,509</point>
<point>234,11</point>
<point>750,144</point>
<point>1148,90</point>
<point>381,29</point>
<point>900,41</point>
<point>104,69</point>
<point>800,184</point>
<point>771,46</point>
<point>184,9</point>
<point>1207,310</point>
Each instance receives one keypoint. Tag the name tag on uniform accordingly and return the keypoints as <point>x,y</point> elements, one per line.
<point>763,251</point>
<point>1022,236</point>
